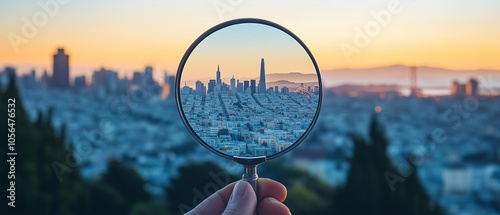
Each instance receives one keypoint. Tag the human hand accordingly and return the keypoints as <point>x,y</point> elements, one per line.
<point>238,198</point>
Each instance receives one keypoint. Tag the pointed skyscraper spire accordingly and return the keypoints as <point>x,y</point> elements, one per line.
<point>262,80</point>
<point>218,76</point>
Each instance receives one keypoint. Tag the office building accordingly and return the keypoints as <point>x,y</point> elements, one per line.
<point>60,77</point>
<point>262,80</point>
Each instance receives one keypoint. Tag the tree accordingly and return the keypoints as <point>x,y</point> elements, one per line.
<point>367,191</point>
<point>38,187</point>
<point>127,182</point>
<point>194,183</point>
<point>104,199</point>
<point>306,194</point>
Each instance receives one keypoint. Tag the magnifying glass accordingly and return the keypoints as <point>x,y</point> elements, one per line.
<point>248,90</point>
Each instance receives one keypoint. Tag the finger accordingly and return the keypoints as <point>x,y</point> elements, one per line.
<point>271,206</point>
<point>242,200</point>
<point>214,204</point>
<point>271,188</point>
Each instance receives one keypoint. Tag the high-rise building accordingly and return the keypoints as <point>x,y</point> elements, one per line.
<point>246,85</point>
<point>471,88</point>
<point>285,90</point>
<point>262,80</point>
<point>276,89</point>
<point>200,88</point>
<point>137,78</point>
<point>148,81</point>
<point>233,84</point>
<point>148,73</point>
<point>211,86</point>
<point>218,76</point>
<point>239,88</point>
<point>252,86</point>
<point>80,82</point>
<point>60,77</point>
<point>457,89</point>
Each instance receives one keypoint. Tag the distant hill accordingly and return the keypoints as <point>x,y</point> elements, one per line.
<point>289,84</point>
<point>400,75</point>
<point>296,77</point>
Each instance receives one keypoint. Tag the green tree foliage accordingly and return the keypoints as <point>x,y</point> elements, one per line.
<point>194,183</point>
<point>127,182</point>
<point>104,199</point>
<point>306,194</point>
<point>367,190</point>
<point>302,200</point>
<point>147,208</point>
<point>39,190</point>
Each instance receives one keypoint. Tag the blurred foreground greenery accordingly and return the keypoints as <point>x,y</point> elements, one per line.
<point>42,154</point>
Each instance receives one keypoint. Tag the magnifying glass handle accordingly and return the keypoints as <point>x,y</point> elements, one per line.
<point>250,176</point>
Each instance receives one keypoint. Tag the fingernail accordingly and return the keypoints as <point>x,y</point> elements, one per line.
<point>271,199</point>
<point>239,190</point>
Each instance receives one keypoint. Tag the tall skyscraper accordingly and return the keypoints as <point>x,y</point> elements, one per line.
<point>233,84</point>
<point>218,76</point>
<point>262,81</point>
<point>246,85</point>
<point>252,86</point>
<point>60,78</point>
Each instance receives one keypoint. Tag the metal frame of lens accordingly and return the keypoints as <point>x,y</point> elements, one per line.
<point>219,27</point>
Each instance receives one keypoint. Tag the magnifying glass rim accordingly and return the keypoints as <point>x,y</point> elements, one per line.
<point>219,27</point>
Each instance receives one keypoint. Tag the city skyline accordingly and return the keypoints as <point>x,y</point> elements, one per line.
<point>255,84</point>
<point>393,78</point>
<point>240,118</point>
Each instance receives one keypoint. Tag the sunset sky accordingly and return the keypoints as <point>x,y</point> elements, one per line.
<point>128,35</point>
<point>238,49</point>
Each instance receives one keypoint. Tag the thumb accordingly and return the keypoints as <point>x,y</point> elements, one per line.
<point>242,200</point>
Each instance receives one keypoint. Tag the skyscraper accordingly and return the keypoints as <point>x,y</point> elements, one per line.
<point>239,88</point>
<point>60,78</point>
<point>233,84</point>
<point>148,73</point>
<point>262,81</point>
<point>245,86</point>
<point>218,76</point>
<point>252,86</point>
<point>211,86</point>
<point>137,78</point>
<point>200,88</point>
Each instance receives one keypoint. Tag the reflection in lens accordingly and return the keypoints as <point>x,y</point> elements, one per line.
<point>262,103</point>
